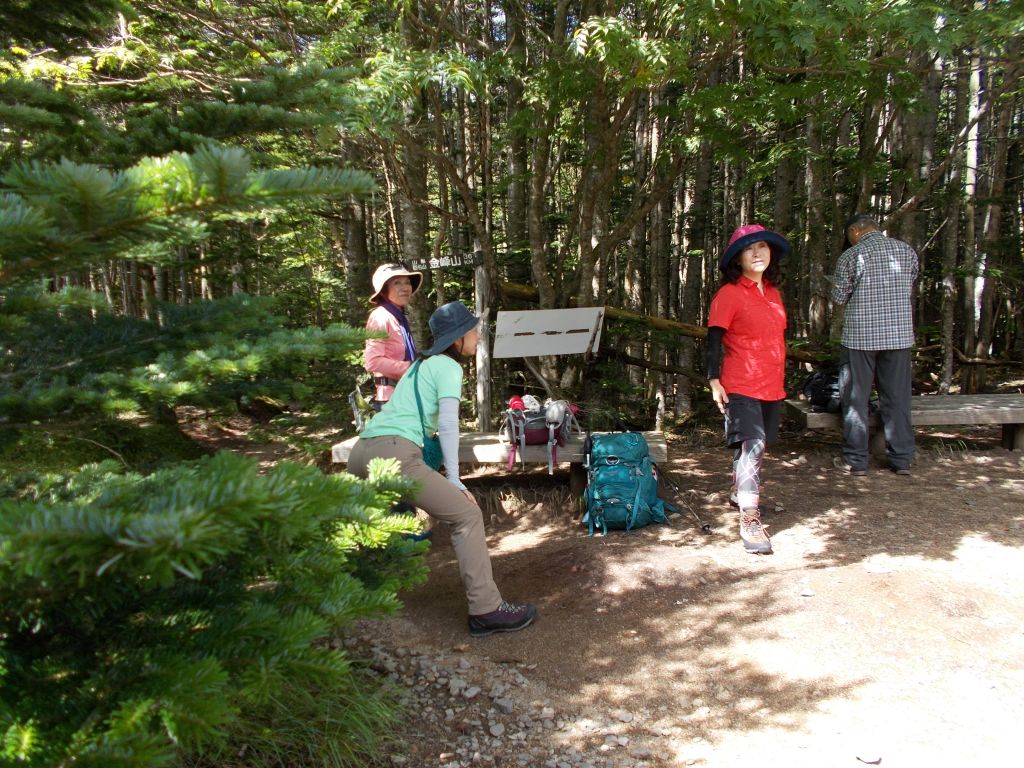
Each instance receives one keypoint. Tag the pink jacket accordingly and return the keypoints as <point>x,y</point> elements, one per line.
<point>385,357</point>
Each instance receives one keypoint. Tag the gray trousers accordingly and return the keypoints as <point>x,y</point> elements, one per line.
<point>442,500</point>
<point>891,371</point>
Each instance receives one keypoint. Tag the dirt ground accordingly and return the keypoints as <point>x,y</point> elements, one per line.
<point>887,628</point>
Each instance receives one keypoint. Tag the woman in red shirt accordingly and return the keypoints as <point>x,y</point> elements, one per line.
<point>748,320</point>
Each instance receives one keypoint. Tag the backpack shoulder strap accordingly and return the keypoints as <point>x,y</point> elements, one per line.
<point>509,428</point>
<point>516,420</point>
<point>552,442</point>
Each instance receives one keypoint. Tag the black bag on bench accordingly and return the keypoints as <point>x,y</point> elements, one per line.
<point>821,388</point>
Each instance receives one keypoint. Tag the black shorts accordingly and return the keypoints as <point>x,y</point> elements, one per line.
<point>747,418</point>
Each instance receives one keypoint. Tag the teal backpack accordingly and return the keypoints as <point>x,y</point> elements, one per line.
<point>622,484</point>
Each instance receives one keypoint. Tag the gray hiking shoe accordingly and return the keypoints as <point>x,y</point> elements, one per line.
<point>752,533</point>
<point>840,463</point>
<point>507,617</point>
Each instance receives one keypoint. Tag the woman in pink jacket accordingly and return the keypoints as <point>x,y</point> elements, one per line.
<point>387,359</point>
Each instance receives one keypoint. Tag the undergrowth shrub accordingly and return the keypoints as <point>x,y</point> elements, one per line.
<point>184,617</point>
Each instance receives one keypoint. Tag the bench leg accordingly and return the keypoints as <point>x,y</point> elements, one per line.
<point>1013,437</point>
<point>577,480</point>
<point>577,488</point>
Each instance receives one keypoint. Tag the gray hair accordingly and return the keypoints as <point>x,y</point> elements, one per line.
<point>861,221</point>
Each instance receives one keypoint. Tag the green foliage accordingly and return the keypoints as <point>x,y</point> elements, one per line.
<point>36,456</point>
<point>55,22</point>
<point>67,355</point>
<point>185,612</point>
<point>71,214</point>
<point>158,608</point>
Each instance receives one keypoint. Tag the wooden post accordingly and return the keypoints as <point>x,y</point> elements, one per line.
<point>483,351</point>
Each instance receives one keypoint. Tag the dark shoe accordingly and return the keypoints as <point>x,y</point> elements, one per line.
<point>902,471</point>
<point>422,536</point>
<point>507,617</point>
<point>840,463</point>
<point>752,533</point>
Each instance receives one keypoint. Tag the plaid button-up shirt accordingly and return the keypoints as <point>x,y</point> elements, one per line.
<point>875,279</point>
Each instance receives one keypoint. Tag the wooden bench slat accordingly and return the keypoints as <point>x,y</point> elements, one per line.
<point>489,448</point>
<point>931,410</point>
<point>937,410</point>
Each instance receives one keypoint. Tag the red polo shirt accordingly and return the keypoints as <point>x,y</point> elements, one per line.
<point>755,346</point>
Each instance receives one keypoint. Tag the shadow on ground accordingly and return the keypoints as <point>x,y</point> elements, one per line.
<point>875,581</point>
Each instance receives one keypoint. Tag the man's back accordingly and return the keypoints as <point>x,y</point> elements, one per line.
<point>875,279</point>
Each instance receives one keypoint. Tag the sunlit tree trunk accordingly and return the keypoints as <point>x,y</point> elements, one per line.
<point>815,239</point>
<point>972,278</point>
<point>991,250</point>
<point>951,230</point>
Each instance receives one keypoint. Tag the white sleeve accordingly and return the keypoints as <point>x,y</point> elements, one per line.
<point>448,434</point>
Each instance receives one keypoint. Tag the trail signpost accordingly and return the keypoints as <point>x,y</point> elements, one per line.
<point>474,259</point>
<point>537,332</point>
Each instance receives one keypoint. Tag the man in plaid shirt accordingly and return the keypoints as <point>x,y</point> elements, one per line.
<point>874,278</point>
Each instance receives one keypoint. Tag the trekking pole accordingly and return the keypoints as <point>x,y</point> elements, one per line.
<point>705,527</point>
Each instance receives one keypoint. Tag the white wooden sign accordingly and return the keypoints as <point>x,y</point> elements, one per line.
<point>548,332</point>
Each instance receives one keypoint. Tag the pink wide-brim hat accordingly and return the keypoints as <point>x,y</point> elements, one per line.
<point>752,233</point>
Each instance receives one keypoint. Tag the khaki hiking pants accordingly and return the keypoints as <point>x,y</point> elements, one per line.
<point>442,500</point>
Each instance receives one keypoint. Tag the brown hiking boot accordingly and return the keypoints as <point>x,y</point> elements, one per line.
<point>752,533</point>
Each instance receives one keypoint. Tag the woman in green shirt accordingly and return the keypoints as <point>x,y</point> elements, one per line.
<point>426,401</point>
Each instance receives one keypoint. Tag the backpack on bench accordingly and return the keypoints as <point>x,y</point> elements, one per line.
<point>821,389</point>
<point>527,422</point>
<point>622,484</point>
<point>822,392</point>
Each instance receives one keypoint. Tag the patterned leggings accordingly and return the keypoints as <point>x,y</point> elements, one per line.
<point>746,472</point>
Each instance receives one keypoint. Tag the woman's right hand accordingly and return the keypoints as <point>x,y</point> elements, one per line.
<point>470,496</point>
<point>718,394</point>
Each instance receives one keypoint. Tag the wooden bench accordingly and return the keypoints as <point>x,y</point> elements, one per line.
<point>493,448</point>
<point>933,410</point>
<point>490,448</point>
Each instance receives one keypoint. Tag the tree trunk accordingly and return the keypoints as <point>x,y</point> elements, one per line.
<point>991,251</point>
<point>348,242</point>
<point>842,205</point>
<point>951,231</point>
<point>699,262</point>
<point>815,241</point>
<point>971,277</point>
<point>529,293</point>
<point>637,257</point>
<point>517,261</point>
<point>413,194</point>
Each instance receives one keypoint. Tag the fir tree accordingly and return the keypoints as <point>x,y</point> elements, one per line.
<point>170,617</point>
<point>147,619</point>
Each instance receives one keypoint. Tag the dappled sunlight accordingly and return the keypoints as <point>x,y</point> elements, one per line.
<point>991,561</point>
<point>523,539</point>
<point>680,628</point>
